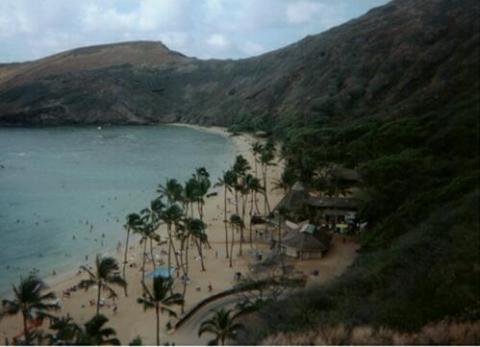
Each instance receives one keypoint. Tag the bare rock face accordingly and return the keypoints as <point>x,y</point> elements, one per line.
<point>406,57</point>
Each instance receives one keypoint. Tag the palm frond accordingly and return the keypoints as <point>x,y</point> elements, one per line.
<point>116,279</point>
<point>146,303</point>
<point>111,292</point>
<point>87,270</point>
<point>86,284</point>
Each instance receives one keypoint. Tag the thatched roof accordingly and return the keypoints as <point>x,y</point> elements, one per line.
<point>295,198</point>
<point>331,202</point>
<point>306,242</point>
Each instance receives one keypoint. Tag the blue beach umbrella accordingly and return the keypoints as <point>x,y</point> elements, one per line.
<point>161,271</point>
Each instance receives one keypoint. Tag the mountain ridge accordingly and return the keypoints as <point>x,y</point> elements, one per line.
<point>399,58</point>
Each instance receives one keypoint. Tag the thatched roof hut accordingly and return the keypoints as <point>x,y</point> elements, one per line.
<point>307,245</point>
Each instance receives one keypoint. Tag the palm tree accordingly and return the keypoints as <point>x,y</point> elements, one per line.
<point>287,179</point>
<point>172,190</point>
<point>240,167</point>
<point>203,185</point>
<point>244,191</point>
<point>254,187</point>
<point>256,150</point>
<point>235,222</point>
<point>190,195</point>
<point>66,331</point>
<point>227,181</point>
<point>151,221</point>
<point>31,301</point>
<point>160,298</point>
<point>222,325</point>
<point>266,158</point>
<point>106,273</point>
<point>196,229</point>
<point>171,216</point>
<point>147,229</point>
<point>95,334</point>
<point>133,223</point>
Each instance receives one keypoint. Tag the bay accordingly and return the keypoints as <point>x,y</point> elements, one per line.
<point>65,192</point>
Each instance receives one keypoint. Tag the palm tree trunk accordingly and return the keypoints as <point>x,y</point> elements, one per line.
<point>225,221</point>
<point>182,251</point>
<point>251,215</point>
<point>151,255</point>
<point>25,328</point>
<point>236,203</point>
<point>144,258</point>
<point>231,245</point>
<point>200,253</point>
<point>177,262</point>
<point>264,171</point>
<point>241,241</point>
<point>157,313</point>
<point>99,284</point>
<point>125,260</point>
<point>184,292</point>
<point>186,256</point>
<point>169,261</point>
<point>257,209</point>
<point>199,211</point>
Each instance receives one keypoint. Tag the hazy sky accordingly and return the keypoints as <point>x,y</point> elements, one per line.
<point>32,29</point>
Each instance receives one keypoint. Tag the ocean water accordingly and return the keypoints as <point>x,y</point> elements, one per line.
<point>65,192</point>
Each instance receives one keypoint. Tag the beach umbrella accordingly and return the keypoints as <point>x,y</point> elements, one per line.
<point>161,271</point>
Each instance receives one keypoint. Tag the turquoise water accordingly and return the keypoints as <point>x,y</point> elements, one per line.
<point>65,192</point>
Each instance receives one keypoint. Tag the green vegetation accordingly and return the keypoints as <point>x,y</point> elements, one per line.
<point>419,260</point>
<point>31,301</point>
<point>222,325</point>
<point>93,333</point>
<point>105,274</point>
<point>160,297</point>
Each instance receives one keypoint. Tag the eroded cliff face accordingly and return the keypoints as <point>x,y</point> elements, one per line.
<point>406,57</point>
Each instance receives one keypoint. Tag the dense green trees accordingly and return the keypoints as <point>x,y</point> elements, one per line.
<point>419,195</point>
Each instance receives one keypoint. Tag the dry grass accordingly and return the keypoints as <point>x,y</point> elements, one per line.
<point>442,333</point>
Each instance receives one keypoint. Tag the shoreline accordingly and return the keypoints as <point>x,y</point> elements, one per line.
<point>77,305</point>
<point>66,272</point>
<point>131,320</point>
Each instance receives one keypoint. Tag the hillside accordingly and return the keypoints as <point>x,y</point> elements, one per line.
<point>394,94</point>
<point>406,56</point>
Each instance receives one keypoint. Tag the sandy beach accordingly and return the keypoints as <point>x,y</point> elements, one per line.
<point>130,320</point>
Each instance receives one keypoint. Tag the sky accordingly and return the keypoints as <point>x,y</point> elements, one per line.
<point>31,29</point>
